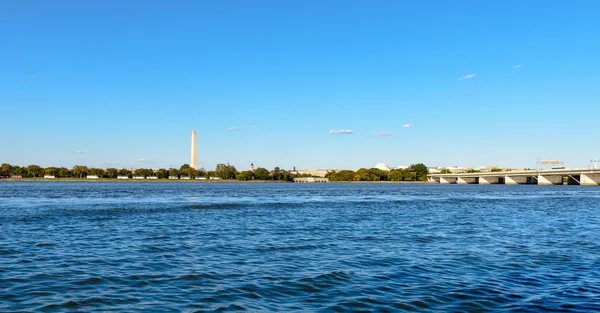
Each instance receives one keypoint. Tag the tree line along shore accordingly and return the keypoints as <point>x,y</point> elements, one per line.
<point>416,172</point>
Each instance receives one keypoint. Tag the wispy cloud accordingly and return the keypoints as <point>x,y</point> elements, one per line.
<point>409,125</point>
<point>382,134</point>
<point>466,76</point>
<point>81,151</point>
<point>341,132</point>
<point>140,160</point>
<point>32,77</point>
<point>252,126</point>
<point>234,128</point>
<point>518,66</point>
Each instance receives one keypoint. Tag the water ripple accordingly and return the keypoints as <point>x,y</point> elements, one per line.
<point>296,248</point>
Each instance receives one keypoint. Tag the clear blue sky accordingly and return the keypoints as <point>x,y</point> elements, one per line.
<point>109,83</point>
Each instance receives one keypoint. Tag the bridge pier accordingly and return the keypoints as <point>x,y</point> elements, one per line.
<point>515,180</point>
<point>489,180</point>
<point>467,180</point>
<point>550,180</point>
<point>590,180</point>
<point>448,180</point>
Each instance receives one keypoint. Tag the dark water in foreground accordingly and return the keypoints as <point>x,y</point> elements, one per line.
<point>298,247</point>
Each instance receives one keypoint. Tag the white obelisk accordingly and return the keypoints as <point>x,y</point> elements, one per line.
<point>194,161</point>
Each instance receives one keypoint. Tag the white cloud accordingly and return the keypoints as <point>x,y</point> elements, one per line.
<point>140,160</point>
<point>252,126</point>
<point>81,151</point>
<point>341,132</point>
<point>409,125</point>
<point>383,134</point>
<point>518,66</point>
<point>466,76</point>
<point>234,128</point>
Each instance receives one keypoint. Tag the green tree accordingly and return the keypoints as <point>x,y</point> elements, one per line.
<point>420,171</point>
<point>64,172</point>
<point>287,176</point>
<point>276,175</point>
<point>376,174</point>
<point>124,172</point>
<point>446,171</point>
<point>112,173</point>
<point>190,171</point>
<point>80,171</point>
<point>210,174</point>
<point>343,175</point>
<point>144,172</point>
<point>409,175</point>
<point>226,171</point>
<point>362,175</point>
<point>53,171</point>
<point>6,169</point>
<point>473,171</point>
<point>184,167</point>
<point>495,169</point>
<point>245,175</point>
<point>261,173</point>
<point>35,171</point>
<point>161,173</point>
<point>174,172</point>
<point>396,175</point>
<point>19,170</point>
<point>97,171</point>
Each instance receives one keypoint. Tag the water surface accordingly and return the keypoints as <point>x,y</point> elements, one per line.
<point>131,246</point>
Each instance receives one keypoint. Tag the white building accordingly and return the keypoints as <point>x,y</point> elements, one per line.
<point>382,166</point>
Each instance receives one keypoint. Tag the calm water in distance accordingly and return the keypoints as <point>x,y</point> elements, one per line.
<point>193,247</point>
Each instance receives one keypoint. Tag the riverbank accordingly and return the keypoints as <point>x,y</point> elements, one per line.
<point>215,181</point>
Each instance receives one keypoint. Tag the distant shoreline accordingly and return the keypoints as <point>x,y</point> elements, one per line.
<point>70,179</point>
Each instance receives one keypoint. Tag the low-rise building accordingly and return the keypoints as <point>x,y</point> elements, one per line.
<point>122,177</point>
<point>49,176</point>
<point>92,177</point>
<point>311,180</point>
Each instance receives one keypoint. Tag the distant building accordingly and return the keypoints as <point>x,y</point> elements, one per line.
<point>201,177</point>
<point>151,177</point>
<point>16,176</point>
<point>316,172</point>
<point>215,178</point>
<point>92,177</point>
<point>173,177</point>
<point>49,176</point>
<point>139,177</point>
<point>122,177</point>
<point>311,180</point>
<point>185,177</point>
<point>382,166</point>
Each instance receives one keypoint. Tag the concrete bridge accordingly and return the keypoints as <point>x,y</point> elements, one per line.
<point>575,176</point>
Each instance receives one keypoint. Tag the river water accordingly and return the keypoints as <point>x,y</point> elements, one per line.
<point>164,247</point>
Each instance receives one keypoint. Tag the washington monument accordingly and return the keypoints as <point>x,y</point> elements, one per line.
<point>194,161</point>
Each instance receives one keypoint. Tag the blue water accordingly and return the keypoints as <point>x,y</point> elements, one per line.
<point>163,247</point>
